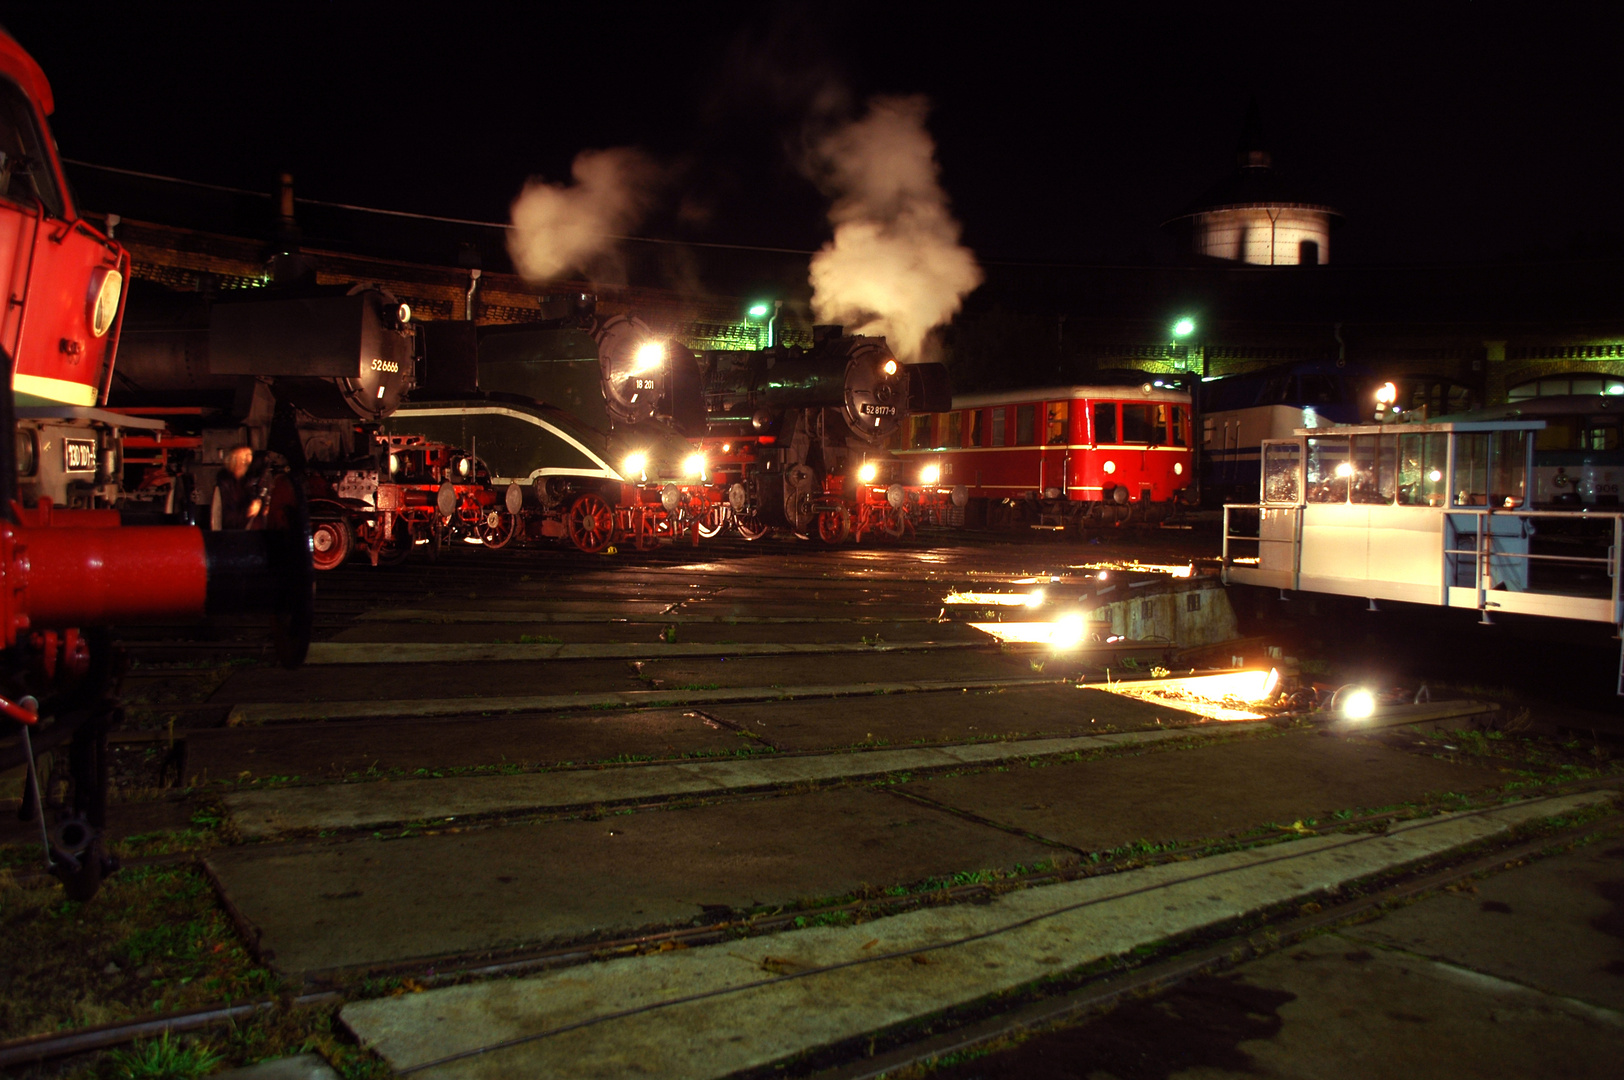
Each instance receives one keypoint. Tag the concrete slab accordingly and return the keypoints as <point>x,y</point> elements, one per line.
<point>337,750</point>
<point>440,680</point>
<point>465,652</point>
<point>1331,1007</point>
<point>707,1012</point>
<point>371,902</point>
<point>277,712</point>
<point>274,811</point>
<point>1556,924</point>
<point>954,716</point>
<point>1224,789</point>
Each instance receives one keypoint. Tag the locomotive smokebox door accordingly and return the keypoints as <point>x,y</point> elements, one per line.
<point>338,356</point>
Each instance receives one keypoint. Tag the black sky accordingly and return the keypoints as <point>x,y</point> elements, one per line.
<point>1446,132</point>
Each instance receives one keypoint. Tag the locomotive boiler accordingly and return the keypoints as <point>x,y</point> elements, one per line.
<point>810,427</point>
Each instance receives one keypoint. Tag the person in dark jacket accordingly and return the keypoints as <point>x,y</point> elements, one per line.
<point>238,496</point>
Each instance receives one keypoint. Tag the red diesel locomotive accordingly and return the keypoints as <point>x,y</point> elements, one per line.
<point>1063,454</point>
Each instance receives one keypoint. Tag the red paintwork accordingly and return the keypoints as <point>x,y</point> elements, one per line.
<point>66,576</point>
<point>1149,473</point>
<point>51,262</point>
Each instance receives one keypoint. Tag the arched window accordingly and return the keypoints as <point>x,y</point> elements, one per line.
<point>1574,383</point>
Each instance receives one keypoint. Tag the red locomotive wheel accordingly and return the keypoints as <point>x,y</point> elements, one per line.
<point>890,523</point>
<point>834,526</point>
<point>590,523</point>
<point>331,543</point>
<point>497,528</point>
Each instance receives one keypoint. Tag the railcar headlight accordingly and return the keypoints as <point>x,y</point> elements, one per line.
<point>694,465</point>
<point>106,286</point>
<point>930,474</point>
<point>868,472</point>
<point>636,464</point>
<point>649,355</point>
<point>1344,470</point>
<point>889,367</point>
<point>1178,468</point>
<point>1109,467</point>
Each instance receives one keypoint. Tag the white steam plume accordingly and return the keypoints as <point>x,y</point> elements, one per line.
<point>895,266</point>
<point>559,228</point>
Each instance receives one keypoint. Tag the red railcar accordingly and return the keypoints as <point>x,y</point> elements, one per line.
<point>1062,454</point>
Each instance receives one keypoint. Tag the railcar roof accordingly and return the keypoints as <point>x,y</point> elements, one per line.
<point>1440,425</point>
<point>1062,393</point>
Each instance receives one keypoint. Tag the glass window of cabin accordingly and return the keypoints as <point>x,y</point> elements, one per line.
<point>1276,390</point>
<point>1059,422</point>
<point>1026,425</point>
<point>1144,424</point>
<point>919,431</point>
<point>1601,434</point>
<point>1586,386</point>
<point>1508,469</point>
<point>998,426</point>
<point>1328,471</point>
<point>1178,426</point>
<point>1472,469</point>
<point>1280,461</point>
<point>1375,469</point>
<point>1421,463</point>
<point>25,177</point>
<point>954,435</point>
<point>1105,422</point>
<point>1318,389</point>
<point>977,430</point>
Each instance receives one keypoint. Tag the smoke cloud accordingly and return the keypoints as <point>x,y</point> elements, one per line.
<point>558,228</point>
<point>895,266</point>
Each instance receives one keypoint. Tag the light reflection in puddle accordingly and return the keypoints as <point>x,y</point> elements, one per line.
<point>1230,695</point>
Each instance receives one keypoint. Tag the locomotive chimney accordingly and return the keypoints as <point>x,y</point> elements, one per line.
<point>287,268</point>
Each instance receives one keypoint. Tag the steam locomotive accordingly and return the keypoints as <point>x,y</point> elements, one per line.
<point>808,430</point>
<point>579,421</point>
<point>69,566</point>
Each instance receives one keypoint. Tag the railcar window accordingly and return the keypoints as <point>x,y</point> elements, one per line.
<point>1059,420</point>
<point>1276,390</point>
<point>1178,426</point>
<point>1026,425</point>
<point>998,426</point>
<point>1318,389</point>
<point>1105,422</point>
<point>1421,463</point>
<point>1601,435</point>
<point>1144,424</point>
<point>919,431</point>
<point>1561,433</point>
<point>25,176</point>
<point>977,434</point>
<point>954,435</point>
<point>1329,471</point>
<point>1375,469</point>
<point>1280,462</point>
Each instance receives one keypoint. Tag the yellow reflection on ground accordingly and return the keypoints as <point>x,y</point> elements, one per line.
<point>1230,695</point>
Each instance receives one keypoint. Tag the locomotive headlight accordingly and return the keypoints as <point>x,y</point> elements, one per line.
<point>1068,631</point>
<point>394,464</point>
<point>464,466</point>
<point>403,314</point>
<point>930,474</point>
<point>694,465</point>
<point>106,286</point>
<point>1178,468</point>
<point>636,465</point>
<point>1359,704</point>
<point>1109,467</point>
<point>868,472</point>
<point>889,367</point>
<point>649,355</point>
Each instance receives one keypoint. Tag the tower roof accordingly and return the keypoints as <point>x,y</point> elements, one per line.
<point>1255,182</point>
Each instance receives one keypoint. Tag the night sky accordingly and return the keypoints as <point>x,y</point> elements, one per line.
<point>1445,132</point>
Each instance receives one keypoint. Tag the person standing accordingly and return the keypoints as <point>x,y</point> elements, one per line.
<point>237,501</point>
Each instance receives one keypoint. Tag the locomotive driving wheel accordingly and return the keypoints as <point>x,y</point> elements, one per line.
<point>590,523</point>
<point>497,528</point>
<point>834,526</point>
<point>749,525</point>
<point>715,519</point>
<point>331,543</point>
<point>890,523</point>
